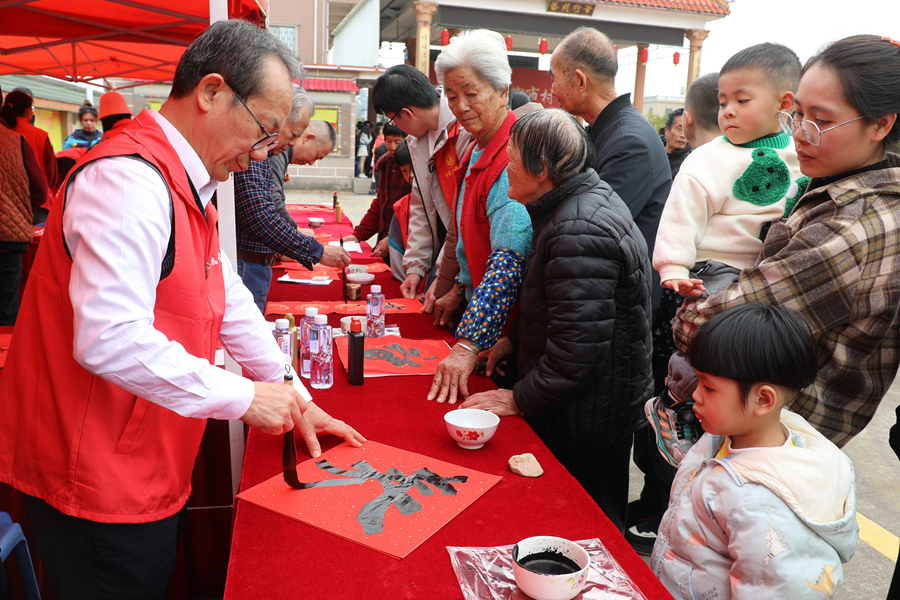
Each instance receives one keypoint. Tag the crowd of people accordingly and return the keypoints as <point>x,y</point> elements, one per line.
<point>724,301</point>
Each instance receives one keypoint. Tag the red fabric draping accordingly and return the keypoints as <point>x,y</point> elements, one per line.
<point>273,557</point>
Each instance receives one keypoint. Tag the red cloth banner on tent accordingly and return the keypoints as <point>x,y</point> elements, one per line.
<point>393,355</point>
<point>365,495</point>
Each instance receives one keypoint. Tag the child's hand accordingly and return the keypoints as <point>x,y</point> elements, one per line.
<point>686,287</point>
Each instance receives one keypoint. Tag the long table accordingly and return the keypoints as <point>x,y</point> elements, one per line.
<point>274,557</point>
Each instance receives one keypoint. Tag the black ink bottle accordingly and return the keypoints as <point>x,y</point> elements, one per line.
<point>356,346</point>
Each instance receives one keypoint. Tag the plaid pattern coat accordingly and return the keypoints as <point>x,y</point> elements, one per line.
<point>836,261</point>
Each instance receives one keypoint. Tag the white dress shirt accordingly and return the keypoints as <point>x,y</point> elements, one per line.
<point>117,228</point>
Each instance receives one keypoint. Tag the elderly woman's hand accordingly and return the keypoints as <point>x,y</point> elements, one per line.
<point>499,402</point>
<point>491,357</point>
<point>453,374</point>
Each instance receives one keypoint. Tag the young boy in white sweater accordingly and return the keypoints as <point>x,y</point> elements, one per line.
<point>729,189</point>
<point>722,201</point>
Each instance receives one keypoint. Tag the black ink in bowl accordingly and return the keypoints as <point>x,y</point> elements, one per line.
<point>548,562</point>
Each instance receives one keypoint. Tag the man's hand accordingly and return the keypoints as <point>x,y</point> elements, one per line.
<point>499,402</point>
<point>381,248</point>
<point>493,354</point>
<point>275,408</point>
<point>410,286</point>
<point>686,287</point>
<point>453,374</point>
<point>351,238</point>
<point>316,421</point>
<point>335,256</point>
<point>445,305</point>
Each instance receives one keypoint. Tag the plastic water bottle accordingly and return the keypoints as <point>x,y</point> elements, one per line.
<point>375,313</point>
<point>306,323</point>
<point>320,350</point>
<point>284,337</point>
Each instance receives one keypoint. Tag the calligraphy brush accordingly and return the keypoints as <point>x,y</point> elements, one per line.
<point>344,275</point>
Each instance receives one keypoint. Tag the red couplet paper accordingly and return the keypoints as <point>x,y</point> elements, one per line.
<point>381,497</point>
<point>5,339</point>
<point>393,355</point>
<point>395,306</point>
<point>302,273</point>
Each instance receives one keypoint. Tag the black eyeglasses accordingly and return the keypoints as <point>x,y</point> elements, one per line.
<point>270,140</point>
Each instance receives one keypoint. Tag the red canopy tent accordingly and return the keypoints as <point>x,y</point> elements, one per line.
<point>88,40</point>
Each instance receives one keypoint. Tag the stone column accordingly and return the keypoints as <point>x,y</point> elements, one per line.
<point>639,76</point>
<point>696,37</point>
<point>424,11</point>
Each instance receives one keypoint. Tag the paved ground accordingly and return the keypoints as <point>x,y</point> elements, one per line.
<point>867,576</point>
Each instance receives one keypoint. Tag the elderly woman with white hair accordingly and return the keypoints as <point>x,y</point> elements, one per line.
<point>493,231</point>
<point>583,335</point>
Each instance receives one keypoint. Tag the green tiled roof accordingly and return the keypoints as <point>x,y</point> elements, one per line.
<point>45,88</point>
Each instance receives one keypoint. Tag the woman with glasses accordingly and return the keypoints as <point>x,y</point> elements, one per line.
<point>835,259</point>
<point>494,231</point>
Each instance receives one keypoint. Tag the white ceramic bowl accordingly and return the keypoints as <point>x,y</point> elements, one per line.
<point>345,323</point>
<point>471,428</point>
<point>316,222</point>
<point>360,277</point>
<point>541,586</point>
<point>357,269</point>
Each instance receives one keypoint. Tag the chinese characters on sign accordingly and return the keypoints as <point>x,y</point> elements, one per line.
<point>570,8</point>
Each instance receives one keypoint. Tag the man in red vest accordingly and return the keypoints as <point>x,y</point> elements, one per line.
<point>110,376</point>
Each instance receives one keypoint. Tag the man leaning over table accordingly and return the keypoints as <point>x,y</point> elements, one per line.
<point>262,233</point>
<point>405,95</point>
<point>109,378</point>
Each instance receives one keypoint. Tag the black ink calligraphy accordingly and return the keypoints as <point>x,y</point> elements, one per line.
<point>386,353</point>
<point>396,486</point>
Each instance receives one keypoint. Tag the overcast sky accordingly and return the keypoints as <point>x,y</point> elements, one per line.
<point>802,25</point>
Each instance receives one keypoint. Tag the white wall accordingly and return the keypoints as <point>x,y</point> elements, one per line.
<point>356,39</point>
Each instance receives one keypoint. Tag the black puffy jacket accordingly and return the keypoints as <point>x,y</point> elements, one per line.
<point>584,344</point>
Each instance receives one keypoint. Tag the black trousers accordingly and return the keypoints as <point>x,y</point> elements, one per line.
<point>88,560</point>
<point>10,278</point>
<point>603,472</point>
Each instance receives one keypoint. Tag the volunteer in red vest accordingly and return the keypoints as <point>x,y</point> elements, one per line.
<point>17,111</point>
<point>115,114</point>
<point>407,98</point>
<point>494,231</point>
<point>110,377</point>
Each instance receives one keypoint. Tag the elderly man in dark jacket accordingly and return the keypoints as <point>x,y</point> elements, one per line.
<point>583,336</point>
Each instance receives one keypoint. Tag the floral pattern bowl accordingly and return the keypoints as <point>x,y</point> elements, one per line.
<point>471,428</point>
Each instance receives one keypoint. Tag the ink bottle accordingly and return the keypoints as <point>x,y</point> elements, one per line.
<point>320,351</point>
<point>356,347</point>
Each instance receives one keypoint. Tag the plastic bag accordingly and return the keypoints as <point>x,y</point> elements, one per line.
<point>487,574</point>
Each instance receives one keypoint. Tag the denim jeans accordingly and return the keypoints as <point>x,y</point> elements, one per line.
<point>257,278</point>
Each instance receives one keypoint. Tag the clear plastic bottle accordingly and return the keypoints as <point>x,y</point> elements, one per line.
<point>320,350</point>
<point>375,313</point>
<point>306,323</point>
<point>284,338</point>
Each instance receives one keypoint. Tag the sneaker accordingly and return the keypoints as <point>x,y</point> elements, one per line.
<point>675,425</point>
<point>642,536</point>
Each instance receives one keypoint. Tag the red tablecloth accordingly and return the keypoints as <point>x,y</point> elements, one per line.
<point>275,557</point>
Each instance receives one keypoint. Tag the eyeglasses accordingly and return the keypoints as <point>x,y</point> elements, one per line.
<point>270,140</point>
<point>396,115</point>
<point>810,130</point>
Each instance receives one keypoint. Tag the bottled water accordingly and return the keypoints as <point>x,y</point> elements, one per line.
<point>375,313</point>
<point>306,323</point>
<point>320,351</point>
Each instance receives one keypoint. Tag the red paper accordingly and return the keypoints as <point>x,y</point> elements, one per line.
<point>393,355</point>
<point>394,306</point>
<point>346,509</point>
<point>5,339</point>
<point>304,274</point>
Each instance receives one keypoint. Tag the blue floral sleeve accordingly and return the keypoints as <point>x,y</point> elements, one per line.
<point>492,301</point>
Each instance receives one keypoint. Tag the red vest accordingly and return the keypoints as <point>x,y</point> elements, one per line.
<point>84,445</point>
<point>474,226</point>
<point>401,211</point>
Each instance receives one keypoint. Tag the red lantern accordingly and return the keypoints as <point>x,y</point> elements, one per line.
<point>645,54</point>
<point>675,58</point>
<point>543,47</point>
<point>445,37</point>
<point>509,43</point>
